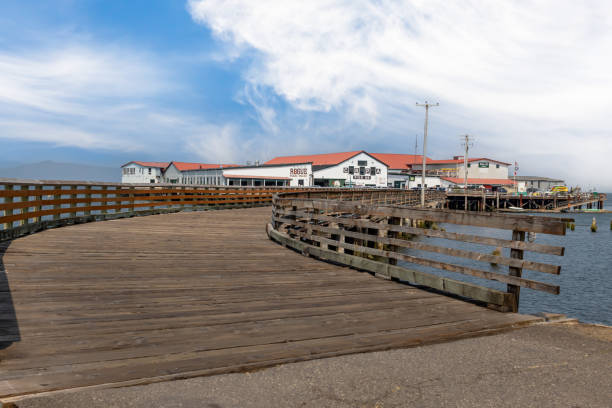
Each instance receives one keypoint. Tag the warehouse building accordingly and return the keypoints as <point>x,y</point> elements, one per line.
<point>400,174</point>
<point>195,173</point>
<point>289,174</point>
<point>357,168</point>
<point>537,183</point>
<point>451,173</point>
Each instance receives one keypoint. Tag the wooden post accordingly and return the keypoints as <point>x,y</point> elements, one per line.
<point>24,210</point>
<point>104,196</point>
<point>7,212</point>
<point>57,206</point>
<point>484,200</point>
<point>394,234</point>
<point>37,208</point>
<point>513,271</point>
<point>72,203</point>
<point>87,201</point>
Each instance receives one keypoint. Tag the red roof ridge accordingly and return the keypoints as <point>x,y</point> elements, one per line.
<point>185,166</point>
<point>479,180</point>
<point>148,164</point>
<point>399,160</point>
<point>316,159</point>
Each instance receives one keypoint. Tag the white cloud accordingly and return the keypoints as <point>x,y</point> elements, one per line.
<point>531,78</point>
<point>104,99</point>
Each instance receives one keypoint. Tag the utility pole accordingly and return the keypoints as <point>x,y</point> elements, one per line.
<point>515,170</point>
<point>467,144</point>
<point>427,105</point>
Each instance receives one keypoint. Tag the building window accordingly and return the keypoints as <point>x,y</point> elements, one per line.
<point>469,164</point>
<point>372,171</point>
<point>149,170</point>
<point>497,166</point>
<point>362,162</point>
<point>300,182</point>
<point>362,171</point>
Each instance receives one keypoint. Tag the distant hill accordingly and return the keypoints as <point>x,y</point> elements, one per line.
<point>50,170</point>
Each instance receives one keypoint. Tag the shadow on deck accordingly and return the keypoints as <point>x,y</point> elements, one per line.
<point>9,328</point>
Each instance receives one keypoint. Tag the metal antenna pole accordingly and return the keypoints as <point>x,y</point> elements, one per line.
<point>427,105</point>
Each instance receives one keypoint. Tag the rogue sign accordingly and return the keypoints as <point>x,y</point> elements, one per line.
<point>298,172</point>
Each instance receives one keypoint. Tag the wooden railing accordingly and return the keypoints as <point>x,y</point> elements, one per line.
<point>28,206</point>
<point>374,237</point>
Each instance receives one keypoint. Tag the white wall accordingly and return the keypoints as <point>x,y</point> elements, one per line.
<point>430,182</point>
<point>200,176</point>
<point>474,171</point>
<point>295,172</point>
<point>172,173</point>
<point>135,173</point>
<point>340,171</point>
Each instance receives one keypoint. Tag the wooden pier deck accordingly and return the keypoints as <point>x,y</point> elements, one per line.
<point>171,296</point>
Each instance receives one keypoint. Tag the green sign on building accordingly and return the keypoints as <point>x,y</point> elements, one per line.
<point>484,165</point>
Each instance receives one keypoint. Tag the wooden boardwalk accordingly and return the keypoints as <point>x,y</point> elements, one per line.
<point>177,295</point>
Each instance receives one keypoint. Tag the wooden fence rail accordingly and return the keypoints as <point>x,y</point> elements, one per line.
<point>375,236</point>
<point>28,206</point>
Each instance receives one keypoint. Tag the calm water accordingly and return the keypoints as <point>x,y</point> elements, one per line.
<point>586,268</point>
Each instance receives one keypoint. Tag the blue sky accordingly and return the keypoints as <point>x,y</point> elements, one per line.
<point>106,82</point>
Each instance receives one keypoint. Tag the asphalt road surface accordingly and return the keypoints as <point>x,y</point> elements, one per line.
<point>539,366</point>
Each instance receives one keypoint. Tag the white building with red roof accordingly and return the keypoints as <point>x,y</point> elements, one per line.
<point>400,173</point>
<point>356,168</point>
<point>481,171</point>
<point>194,173</point>
<point>141,172</point>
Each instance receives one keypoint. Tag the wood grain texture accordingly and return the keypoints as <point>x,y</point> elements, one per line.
<point>169,296</point>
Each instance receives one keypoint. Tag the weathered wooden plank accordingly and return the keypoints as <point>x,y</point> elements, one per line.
<point>518,263</point>
<point>545,225</point>
<point>517,281</point>
<point>516,271</point>
<point>496,242</point>
<point>196,293</point>
<point>417,277</point>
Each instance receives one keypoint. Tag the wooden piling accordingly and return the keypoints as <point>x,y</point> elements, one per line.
<point>514,271</point>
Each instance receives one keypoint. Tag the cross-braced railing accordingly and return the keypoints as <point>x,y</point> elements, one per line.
<point>389,239</point>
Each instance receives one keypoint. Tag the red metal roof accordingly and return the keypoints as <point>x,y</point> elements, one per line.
<point>453,161</point>
<point>315,159</point>
<point>399,160</point>
<point>161,165</point>
<point>500,182</point>
<point>255,177</point>
<point>183,166</point>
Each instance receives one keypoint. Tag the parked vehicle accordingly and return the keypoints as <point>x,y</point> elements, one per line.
<point>559,189</point>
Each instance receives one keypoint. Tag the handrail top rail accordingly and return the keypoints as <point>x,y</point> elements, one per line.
<point>522,222</point>
<point>36,182</point>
